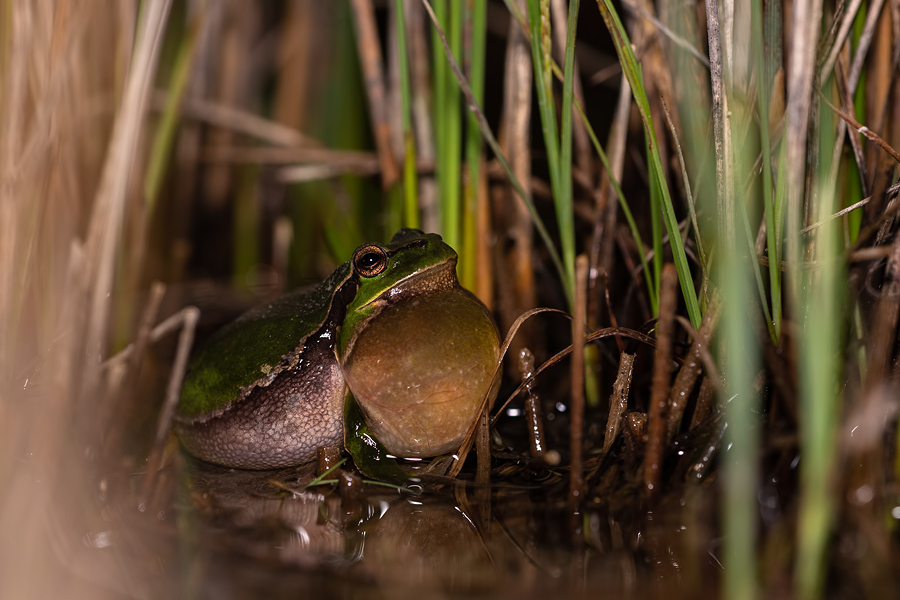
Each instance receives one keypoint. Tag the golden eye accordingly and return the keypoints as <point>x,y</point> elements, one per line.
<point>370,260</point>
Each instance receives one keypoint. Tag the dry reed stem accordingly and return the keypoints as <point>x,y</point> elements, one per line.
<point>188,317</point>
<point>611,313</point>
<point>701,466</point>
<point>120,409</point>
<point>843,85</point>
<point>232,72</point>
<point>705,399</point>
<point>484,268</point>
<point>296,53</point>
<point>393,102</point>
<point>559,14</point>
<point>692,369</point>
<point>269,155</point>
<point>807,17</point>
<point>721,129</point>
<point>236,120</point>
<point>370,60</point>
<point>855,73</point>
<point>109,205</point>
<point>662,374</point>
<point>420,74</point>
<point>627,247</point>
<point>883,329</point>
<point>12,205</point>
<point>483,450</point>
<point>846,23</point>
<point>618,400</point>
<point>671,35</point>
<point>657,78</point>
<point>891,190</point>
<point>706,357</point>
<point>469,438</point>
<point>881,74</point>
<point>727,30</point>
<point>304,173</point>
<point>888,65</point>
<point>593,337</point>
<point>534,420</point>
<point>603,239</point>
<point>45,173</point>
<point>517,294</point>
<point>687,190</point>
<point>862,129</point>
<point>576,409</point>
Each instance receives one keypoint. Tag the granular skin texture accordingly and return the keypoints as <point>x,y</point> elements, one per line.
<point>279,425</point>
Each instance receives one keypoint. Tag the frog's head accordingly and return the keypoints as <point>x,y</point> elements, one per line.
<point>413,262</point>
<point>418,352</point>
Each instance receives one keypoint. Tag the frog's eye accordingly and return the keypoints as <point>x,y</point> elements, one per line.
<point>370,260</point>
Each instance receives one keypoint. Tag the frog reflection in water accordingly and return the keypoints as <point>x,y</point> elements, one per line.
<point>417,351</point>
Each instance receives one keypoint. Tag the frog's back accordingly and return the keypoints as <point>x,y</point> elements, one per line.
<point>251,351</point>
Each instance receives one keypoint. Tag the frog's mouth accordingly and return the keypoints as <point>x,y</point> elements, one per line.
<point>434,278</point>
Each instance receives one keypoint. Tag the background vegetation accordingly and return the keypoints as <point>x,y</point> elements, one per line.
<point>231,150</point>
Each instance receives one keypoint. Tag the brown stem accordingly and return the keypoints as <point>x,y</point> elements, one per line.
<point>576,481</point>
<point>618,401</point>
<point>189,316</point>
<point>662,371</point>
<point>533,414</point>
<point>692,369</point>
<point>370,60</point>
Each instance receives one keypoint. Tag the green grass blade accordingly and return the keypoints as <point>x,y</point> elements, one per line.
<point>410,179</point>
<point>539,26</point>
<point>164,140</point>
<point>632,72</point>
<point>701,252</point>
<point>451,157</point>
<point>321,478</point>
<point>780,207</point>
<point>439,73</point>
<point>477,18</point>
<point>821,367</point>
<point>751,254</point>
<point>656,234</point>
<point>773,242</point>
<point>821,372</point>
<point>488,136</point>
<point>740,463</point>
<point>565,215</point>
<point>623,204</point>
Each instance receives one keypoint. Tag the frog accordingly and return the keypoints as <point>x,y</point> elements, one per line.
<point>390,332</point>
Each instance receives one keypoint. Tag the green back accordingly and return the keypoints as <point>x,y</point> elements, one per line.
<point>251,348</point>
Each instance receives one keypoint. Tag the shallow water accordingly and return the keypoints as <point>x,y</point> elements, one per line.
<point>211,532</point>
